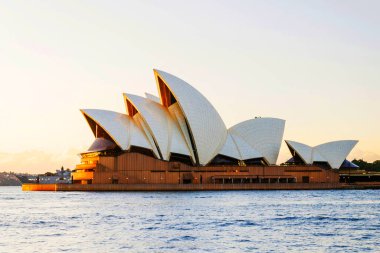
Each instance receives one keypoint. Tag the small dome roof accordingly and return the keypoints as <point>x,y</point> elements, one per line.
<point>101,144</point>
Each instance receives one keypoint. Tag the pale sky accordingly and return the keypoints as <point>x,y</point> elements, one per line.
<point>315,64</point>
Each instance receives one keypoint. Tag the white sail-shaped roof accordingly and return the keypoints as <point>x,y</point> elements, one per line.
<point>334,153</point>
<point>317,157</point>
<point>246,151</point>
<point>156,119</point>
<point>206,126</point>
<point>152,97</point>
<point>263,134</point>
<point>137,136</point>
<point>237,148</point>
<point>137,118</point>
<point>304,151</point>
<point>120,127</point>
<point>177,116</point>
<point>159,124</point>
<point>230,149</point>
<point>178,143</point>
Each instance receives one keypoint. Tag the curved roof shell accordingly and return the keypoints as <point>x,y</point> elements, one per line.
<point>230,149</point>
<point>304,151</point>
<point>178,143</point>
<point>237,148</point>
<point>156,122</point>
<point>334,153</point>
<point>246,151</point>
<point>263,134</point>
<point>101,144</point>
<point>120,127</point>
<point>152,97</point>
<point>206,126</point>
<point>179,119</point>
<point>137,118</point>
<point>160,126</point>
<point>317,157</point>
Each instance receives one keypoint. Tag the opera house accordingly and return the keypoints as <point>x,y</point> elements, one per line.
<point>178,138</point>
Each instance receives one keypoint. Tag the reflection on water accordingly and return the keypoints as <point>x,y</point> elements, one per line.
<point>230,221</point>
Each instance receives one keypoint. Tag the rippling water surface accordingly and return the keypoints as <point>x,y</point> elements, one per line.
<point>229,221</point>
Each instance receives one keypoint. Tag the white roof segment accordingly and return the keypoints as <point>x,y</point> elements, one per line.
<point>263,134</point>
<point>317,157</point>
<point>303,150</point>
<point>157,121</point>
<point>178,117</point>
<point>148,135</point>
<point>237,148</point>
<point>333,152</point>
<point>246,151</point>
<point>137,137</point>
<point>207,127</point>
<point>229,149</point>
<point>120,127</point>
<point>178,142</point>
<point>152,97</point>
<point>160,125</point>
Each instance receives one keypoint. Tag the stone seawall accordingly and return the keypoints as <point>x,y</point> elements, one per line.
<point>39,187</point>
<point>193,187</point>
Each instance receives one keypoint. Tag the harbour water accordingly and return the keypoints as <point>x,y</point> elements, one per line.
<point>225,221</point>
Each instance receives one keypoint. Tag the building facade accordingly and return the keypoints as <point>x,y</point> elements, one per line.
<point>179,138</point>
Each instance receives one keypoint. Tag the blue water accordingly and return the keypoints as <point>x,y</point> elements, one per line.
<point>230,221</point>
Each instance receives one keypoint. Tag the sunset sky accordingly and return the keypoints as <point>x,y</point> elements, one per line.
<point>315,64</point>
